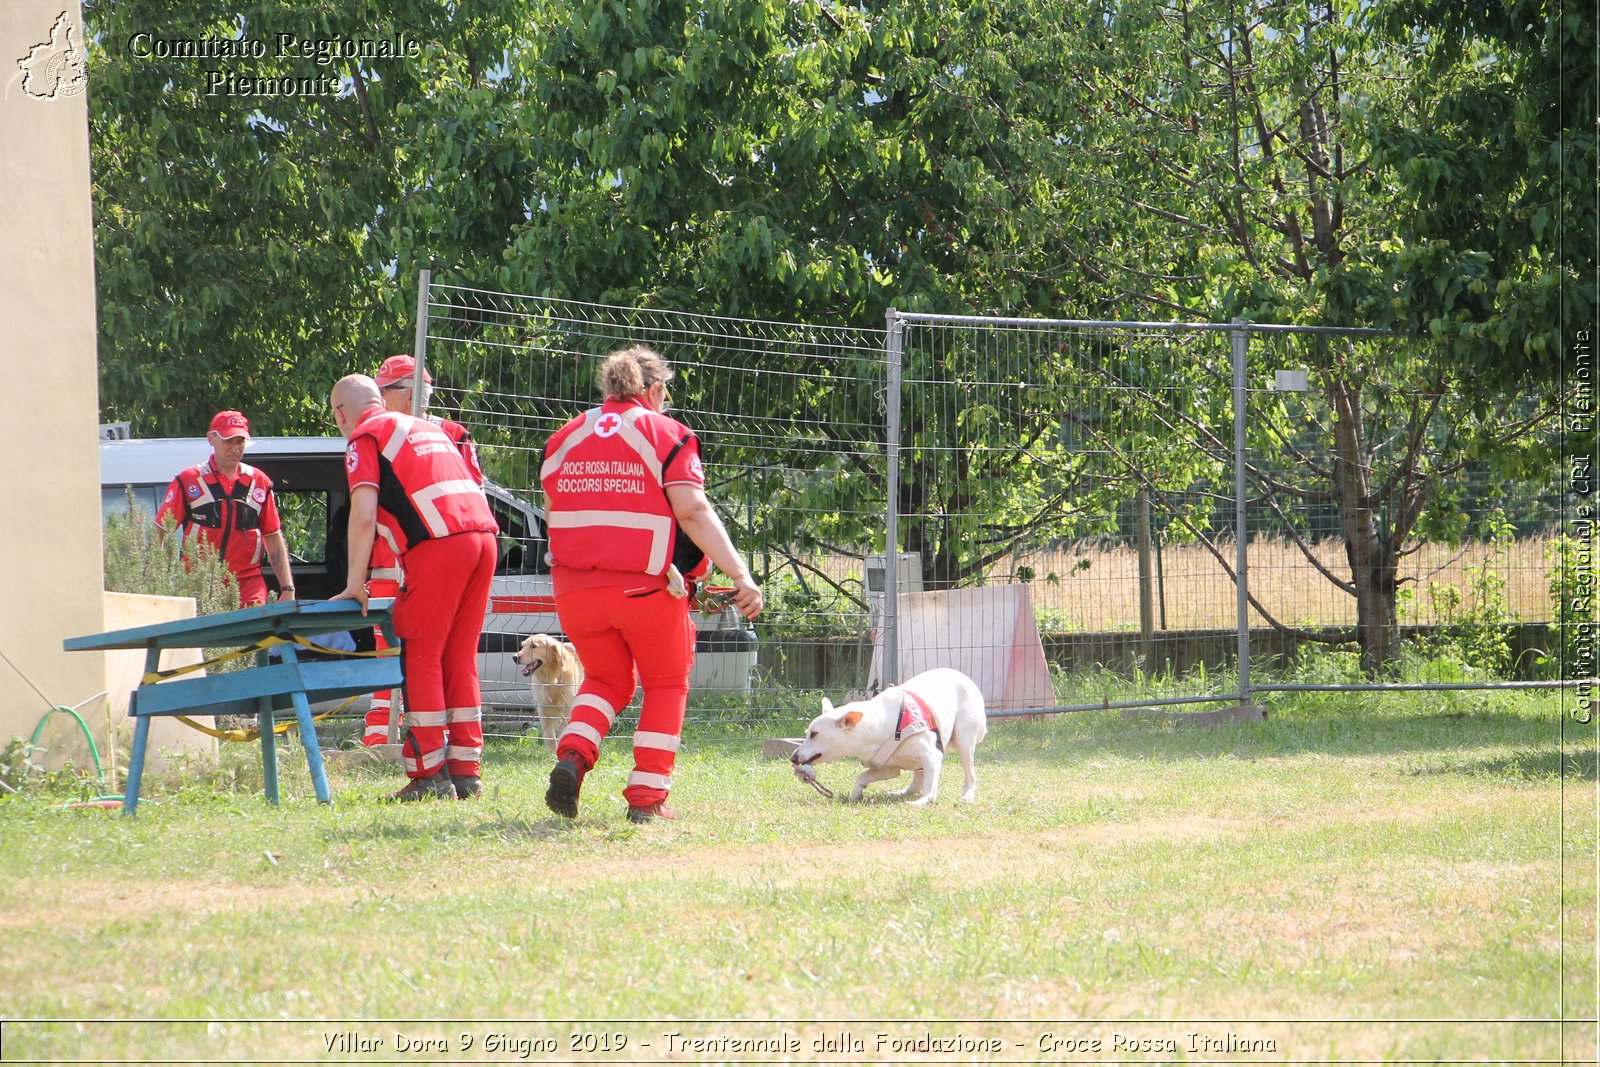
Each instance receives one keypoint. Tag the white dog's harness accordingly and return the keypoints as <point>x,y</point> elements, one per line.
<point>915,718</point>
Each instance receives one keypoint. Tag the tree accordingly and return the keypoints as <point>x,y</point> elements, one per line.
<point>1213,160</point>
<point>253,211</point>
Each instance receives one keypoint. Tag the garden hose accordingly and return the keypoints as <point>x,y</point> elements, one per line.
<point>94,750</point>
<point>105,799</point>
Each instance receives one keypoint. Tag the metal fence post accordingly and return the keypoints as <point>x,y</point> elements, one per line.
<point>1241,353</point>
<point>891,524</point>
<point>420,350</point>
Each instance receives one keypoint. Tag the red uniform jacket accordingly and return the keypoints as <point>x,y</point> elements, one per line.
<point>463,441</point>
<point>385,566</point>
<point>425,489</point>
<point>605,475</point>
<point>235,517</point>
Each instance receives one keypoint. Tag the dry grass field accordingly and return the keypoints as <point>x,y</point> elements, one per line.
<point>1095,586</point>
<point>1197,590</point>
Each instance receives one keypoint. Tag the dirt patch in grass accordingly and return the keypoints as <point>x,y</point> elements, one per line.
<point>55,905</point>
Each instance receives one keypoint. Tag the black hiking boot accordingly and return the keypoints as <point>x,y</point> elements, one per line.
<point>436,785</point>
<point>566,780</point>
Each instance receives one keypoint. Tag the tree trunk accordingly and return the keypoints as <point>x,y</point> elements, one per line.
<point>1372,558</point>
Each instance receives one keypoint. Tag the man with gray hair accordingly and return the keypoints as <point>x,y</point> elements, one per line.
<point>230,504</point>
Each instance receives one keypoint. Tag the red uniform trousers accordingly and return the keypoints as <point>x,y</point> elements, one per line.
<point>614,633</point>
<point>439,618</point>
<point>252,590</point>
<point>377,732</point>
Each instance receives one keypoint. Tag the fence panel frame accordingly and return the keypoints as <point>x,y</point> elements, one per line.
<point>1240,334</point>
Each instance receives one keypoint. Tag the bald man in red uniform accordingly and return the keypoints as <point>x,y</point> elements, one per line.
<point>396,378</point>
<point>410,486</point>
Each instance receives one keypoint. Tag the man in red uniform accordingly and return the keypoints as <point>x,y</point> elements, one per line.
<point>395,379</point>
<point>625,489</point>
<point>230,504</point>
<point>409,485</point>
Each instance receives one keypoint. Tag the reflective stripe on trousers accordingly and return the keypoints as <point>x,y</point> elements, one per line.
<point>377,731</point>
<point>617,635</point>
<point>439,617</point>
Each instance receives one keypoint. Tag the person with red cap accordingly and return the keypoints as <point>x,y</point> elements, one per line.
<point>626,495</point>
<point>230,505</point>
<point>396,380</point>
<point>409,486</point>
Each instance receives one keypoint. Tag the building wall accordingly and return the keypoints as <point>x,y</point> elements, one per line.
<point>50,555</point>
<point>125,670</point>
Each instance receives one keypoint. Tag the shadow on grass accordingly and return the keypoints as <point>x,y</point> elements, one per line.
<point>1536,766</point>
<point>1078,737</point>
<point>499,825</point>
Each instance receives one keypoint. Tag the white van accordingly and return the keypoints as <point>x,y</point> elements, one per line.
<point>308,477</point>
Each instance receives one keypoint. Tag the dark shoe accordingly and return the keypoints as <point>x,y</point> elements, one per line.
<point>467,786</point>
<point>566,780</point>
<point>658,810</point>
<point>435,785</point>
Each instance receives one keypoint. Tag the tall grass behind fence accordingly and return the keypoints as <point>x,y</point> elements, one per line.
<point>1021,438</point>
<point>789,419</point>
<point>1465,495</point>
<point>1093,585</point>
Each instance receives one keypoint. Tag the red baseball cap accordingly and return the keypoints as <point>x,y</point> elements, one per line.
<point>230,424</point>
<point>399,370</point>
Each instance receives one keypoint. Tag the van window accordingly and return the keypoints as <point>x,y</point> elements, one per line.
<point>114,499</point>
<point>304,513</point>
<point>522,542</point>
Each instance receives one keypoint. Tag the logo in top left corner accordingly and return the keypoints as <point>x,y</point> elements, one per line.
<point>55,68</point>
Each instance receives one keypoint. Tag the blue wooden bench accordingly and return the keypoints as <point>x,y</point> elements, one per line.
<point>263,690</point>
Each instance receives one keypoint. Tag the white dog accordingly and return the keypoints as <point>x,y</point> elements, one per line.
<point>904,728</point>
<point>554,671</point>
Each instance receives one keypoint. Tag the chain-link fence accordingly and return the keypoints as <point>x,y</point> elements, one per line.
<point>1052,504</point>
<point>1079,466</point>
<point>1398,533</point>
<point>790,418</point>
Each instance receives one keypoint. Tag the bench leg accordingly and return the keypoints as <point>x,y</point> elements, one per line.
<point>130,788</point>
<point>141,734</point>
<point>308,738</point>
<point>269,750</point>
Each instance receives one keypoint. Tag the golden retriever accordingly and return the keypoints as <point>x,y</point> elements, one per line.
<point>554,672</point>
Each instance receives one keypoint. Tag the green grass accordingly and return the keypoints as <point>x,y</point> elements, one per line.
<point>1353,863</point>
